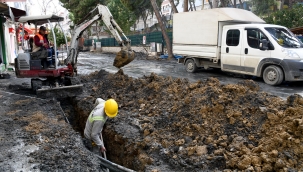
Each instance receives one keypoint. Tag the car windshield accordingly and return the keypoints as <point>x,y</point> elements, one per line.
<point>284,38</point>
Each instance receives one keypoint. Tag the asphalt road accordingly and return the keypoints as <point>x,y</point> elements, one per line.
<point>89,62</point>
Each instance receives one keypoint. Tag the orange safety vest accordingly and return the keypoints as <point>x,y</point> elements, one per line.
<point>40,37</point>
<point>35,47</point>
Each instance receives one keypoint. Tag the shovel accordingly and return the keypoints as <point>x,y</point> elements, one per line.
<point>104,154</point>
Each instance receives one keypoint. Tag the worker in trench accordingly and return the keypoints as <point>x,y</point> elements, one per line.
<point>96,120</point>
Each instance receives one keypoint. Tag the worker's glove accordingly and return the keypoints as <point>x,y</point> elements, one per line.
<point>102,149</point>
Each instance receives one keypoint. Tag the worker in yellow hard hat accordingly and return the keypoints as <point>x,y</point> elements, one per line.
<point>96,120</point>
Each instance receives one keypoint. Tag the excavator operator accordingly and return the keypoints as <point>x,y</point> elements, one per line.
<point>96,120</point>
<point>41,43</point>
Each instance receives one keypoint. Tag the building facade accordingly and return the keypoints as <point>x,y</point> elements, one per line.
<point>8,37</point>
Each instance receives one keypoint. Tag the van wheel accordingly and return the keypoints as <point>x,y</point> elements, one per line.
<point>273,75</point>
<point>191,66</point>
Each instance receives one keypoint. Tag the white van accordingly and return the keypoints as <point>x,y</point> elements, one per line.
<point>237,41</point>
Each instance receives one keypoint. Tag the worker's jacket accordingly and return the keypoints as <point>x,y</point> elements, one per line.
<point>95,123</point>
<point>39,40</point>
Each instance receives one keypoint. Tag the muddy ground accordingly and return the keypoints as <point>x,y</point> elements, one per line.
<point>35,137</point>
<point>164,124</point>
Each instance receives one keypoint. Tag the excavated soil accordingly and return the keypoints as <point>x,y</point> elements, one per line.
<point>167,124</point>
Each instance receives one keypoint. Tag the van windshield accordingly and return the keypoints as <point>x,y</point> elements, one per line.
<point>284,38</point>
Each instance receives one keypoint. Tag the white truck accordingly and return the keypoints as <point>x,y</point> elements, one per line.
<point>237,41</point>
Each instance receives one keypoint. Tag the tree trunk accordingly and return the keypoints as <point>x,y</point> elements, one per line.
<point>190,6</point>
<point>235,3</point>
<point>97,30</point>
<point>215,4</point>
<point>203,1</point>
<point>222,3</point>
<point>290,3</point>
<point>210,4</point>
<point>185,6</point>
<point>282,4</point>
<point>194,5</point>
<point>241,4</point>
<point>173,6</point>
<point>144,17</point>
<point>163,29</point>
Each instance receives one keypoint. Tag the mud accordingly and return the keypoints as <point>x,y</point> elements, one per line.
<point>35,137</point>
<point>167,124</point>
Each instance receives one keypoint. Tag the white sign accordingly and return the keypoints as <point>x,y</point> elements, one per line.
<point>144,40</point>
<point>98,44</point>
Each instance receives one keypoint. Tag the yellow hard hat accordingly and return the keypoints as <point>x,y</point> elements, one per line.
<point>111,108</point>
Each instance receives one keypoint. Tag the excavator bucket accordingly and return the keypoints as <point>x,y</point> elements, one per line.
<point>123,57</point>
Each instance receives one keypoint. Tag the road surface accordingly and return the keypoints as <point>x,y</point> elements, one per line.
<point>90,62</point>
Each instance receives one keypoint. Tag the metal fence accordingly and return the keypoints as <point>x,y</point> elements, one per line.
<point>136,40</point>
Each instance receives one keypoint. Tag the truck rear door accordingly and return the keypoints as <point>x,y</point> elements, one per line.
<point>231,49</point>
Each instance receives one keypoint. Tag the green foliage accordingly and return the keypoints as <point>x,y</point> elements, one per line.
<point>123,16</point>
<point>263,7</point>
<point>59,36</point>
<point>289,18</point>
<point>139,7</point>
<point>80,8</point>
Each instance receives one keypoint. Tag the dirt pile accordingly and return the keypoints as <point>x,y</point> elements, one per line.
<point>172,124</point>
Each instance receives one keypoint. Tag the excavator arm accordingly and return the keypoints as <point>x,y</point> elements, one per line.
<point>101,12</point>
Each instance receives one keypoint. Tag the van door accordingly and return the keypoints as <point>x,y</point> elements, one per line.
<point>251,55</point>
<point>231,49</point>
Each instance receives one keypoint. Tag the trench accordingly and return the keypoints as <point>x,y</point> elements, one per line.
<point>118,149</point>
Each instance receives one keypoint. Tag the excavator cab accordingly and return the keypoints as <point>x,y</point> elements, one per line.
<point>29,59</point>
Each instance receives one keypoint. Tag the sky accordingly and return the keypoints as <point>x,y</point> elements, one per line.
<point>37,6</point>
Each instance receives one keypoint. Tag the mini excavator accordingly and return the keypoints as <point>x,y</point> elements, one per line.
<point>60,79</point>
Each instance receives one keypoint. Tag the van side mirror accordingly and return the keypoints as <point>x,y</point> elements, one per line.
<point>263,44</point>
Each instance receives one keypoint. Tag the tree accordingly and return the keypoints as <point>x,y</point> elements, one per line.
<point>163,29</point>
<point>172,3</point>
<point>185,6</point>
<point>44,4</point>
<point>80,8</point>
<point>141,8</point>
<point>262,7</point>
<point>60,39</point>
<point>215,3</point>
<point>123,16</point>
<point>241,4</point>
<point>289,18</point>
